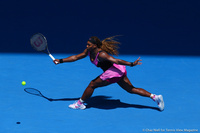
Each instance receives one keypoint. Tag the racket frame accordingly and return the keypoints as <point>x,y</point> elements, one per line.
<point>45,48</point>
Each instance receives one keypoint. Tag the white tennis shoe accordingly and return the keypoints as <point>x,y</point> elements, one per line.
<point>76,105</point>
<point>159,100</point>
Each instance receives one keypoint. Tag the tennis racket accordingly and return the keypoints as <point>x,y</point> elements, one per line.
<point>39,43</point>
<point>36,92</point>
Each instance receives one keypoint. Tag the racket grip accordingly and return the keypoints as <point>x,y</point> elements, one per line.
<point>53,58</point>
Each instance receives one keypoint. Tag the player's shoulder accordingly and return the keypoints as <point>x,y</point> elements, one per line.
<point>85,51</point>
<point>83,54</point>
<point>103,55</point>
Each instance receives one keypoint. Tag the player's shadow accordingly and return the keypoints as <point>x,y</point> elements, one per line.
<point>63,99</point>
<point>104,102</point>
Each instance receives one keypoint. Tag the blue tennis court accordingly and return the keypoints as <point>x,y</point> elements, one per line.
<point>165,34</point>
<point>110,109</point>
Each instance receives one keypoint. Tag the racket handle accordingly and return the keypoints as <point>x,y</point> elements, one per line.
<point>53,58</point>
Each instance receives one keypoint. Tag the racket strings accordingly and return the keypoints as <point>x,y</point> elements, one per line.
<point>38,42</point>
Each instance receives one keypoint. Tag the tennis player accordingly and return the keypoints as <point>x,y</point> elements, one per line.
<point>114,70</point>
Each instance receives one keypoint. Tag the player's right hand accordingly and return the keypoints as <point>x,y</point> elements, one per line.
<point>56,61</point>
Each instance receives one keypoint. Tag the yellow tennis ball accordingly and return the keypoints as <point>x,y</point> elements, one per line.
<point>23,83</point>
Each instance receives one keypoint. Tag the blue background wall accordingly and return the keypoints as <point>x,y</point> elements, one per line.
<point>169,27</point>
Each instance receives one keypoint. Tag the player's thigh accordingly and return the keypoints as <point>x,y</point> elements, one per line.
<point>98,82</point>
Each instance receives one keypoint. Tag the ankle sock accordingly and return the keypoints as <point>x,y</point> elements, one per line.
<point>80,101</point>
<point>153,96</point>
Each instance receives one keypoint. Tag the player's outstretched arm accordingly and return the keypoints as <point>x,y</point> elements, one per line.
<point>105,56</point>
<point>73,57</point>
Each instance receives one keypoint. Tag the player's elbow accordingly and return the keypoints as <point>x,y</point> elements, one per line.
<point>75,58</point>
<point>117,61</point>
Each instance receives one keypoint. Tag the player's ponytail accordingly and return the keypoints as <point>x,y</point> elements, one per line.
<point>108,45</point>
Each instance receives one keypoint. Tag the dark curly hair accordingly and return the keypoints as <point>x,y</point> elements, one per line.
<point>108,45</point>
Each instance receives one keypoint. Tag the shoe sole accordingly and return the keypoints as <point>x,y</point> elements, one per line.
<point>77,108</point>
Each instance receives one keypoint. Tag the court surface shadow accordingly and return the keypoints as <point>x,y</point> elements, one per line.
<point>101,102</point>
<point>105,102</point>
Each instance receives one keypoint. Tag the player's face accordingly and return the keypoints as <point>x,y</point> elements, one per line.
<point>91,46</point>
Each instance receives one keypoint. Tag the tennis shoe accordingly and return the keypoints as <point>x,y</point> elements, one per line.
<point>77,105</point>
<point>159,100</point>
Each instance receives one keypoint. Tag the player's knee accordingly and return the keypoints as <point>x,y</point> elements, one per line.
<point>131,90</point>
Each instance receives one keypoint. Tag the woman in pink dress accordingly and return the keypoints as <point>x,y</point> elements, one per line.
<point>114,70</point>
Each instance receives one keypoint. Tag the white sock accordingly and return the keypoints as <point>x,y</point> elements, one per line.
<point>152,95</point>
<point>81,100</point>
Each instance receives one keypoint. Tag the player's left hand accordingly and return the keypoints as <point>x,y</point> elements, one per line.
<point>137,62</point>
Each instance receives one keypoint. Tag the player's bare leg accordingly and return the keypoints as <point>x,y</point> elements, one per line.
<point>126,85</point>
<point>88,93</point>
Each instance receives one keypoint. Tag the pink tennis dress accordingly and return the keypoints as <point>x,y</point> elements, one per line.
<point>112,72</point>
